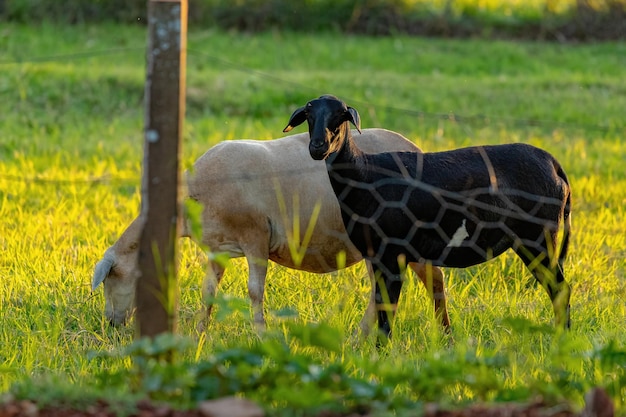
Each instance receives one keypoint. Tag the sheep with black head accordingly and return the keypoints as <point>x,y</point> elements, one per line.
<point>454,209</point>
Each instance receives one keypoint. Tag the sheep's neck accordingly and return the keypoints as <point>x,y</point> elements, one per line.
<point>348,161</point>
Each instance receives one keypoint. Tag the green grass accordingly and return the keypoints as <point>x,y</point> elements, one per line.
<point>70,153</point>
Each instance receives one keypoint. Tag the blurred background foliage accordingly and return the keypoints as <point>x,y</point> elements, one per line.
<point>561,20</point>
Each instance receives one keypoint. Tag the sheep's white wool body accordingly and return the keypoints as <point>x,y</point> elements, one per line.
<point>257,199</point>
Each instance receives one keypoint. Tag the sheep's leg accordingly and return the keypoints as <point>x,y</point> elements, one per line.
<point>369,318</point>
<point>551,279</point>
<point>388,288</point>
<point>432,278</point>
<point>256,288</point>
<point>214,274</point>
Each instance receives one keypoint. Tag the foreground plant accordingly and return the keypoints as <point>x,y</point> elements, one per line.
<point>306,368</point>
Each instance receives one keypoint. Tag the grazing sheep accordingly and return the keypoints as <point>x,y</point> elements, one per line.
<point>259,199</point>
<point>452,209</point>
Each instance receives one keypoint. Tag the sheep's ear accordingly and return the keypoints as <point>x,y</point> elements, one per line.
<point>297,118</point>
<point>354,118</point>
<point>103,269</point>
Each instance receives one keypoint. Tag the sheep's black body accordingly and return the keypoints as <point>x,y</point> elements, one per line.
<point>454,209</point>
<point>431,207</point>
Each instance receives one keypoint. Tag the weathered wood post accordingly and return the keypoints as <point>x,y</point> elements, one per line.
<point>156,295</point>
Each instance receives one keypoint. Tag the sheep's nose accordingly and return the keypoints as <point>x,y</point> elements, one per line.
<point>317,151</point>
<point>116,321</point>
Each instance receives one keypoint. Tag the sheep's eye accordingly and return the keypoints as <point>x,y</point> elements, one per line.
<point>114,272</point>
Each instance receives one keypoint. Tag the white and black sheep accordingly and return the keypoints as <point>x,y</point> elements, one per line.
<point>259,198</point>
<point>452,209</point>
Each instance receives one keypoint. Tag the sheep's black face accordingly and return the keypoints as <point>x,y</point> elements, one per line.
<point>328,119</point>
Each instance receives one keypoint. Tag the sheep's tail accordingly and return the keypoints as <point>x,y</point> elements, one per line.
<point>567,219</point>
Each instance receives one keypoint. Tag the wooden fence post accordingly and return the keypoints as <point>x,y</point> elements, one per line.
<point>156,295</point>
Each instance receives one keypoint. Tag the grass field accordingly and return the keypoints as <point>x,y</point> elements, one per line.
<point>71,106</point>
